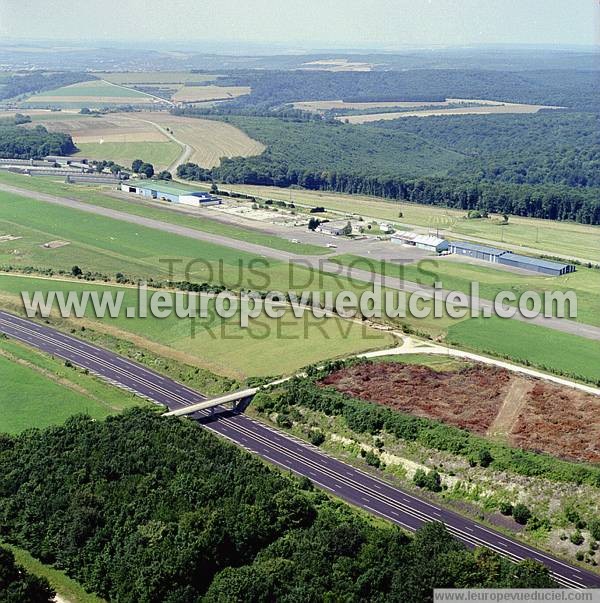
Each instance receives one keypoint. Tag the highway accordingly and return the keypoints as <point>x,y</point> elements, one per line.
<point>342,480</point>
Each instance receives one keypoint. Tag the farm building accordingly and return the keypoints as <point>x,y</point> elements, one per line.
<point>479,252</point>
<point>156,190</point>
<point>427,242</point>
<point>535,264</point>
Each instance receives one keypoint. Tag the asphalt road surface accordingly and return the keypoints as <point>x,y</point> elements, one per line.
<point>315,262</point>
<point>341,479</point>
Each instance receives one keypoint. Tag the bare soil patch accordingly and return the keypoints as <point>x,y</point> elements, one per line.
<point>55,244</point>
<point>511,407</point>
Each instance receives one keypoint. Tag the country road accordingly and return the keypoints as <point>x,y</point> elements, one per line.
<point>321,263</point>
<point>361,489</point>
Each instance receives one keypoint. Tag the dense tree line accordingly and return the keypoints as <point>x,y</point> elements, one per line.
<point>19,586</point>
<point>366,417</point>
<point>561,87</point>
<point>139,508</point>
<point>38,81</point>
<point>286,112</point>
<point>554,202</point>
<point>33,143</point>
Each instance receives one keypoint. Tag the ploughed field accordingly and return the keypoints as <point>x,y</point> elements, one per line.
<point>489,401</point>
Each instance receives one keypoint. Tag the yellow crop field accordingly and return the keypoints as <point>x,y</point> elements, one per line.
<point>421,108</point>
<point>205,141</point>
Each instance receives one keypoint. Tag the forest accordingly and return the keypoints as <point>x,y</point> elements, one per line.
<point>551,147</point>
<point>140,508</point>
<point>571,88</point>
<point>504,164</point>
<point>33,143</point>
<point>543,165</point>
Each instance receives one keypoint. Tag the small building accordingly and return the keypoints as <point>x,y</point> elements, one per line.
<point>421,241</point>
<point>199,198</point>
<point>479,252</point>
<point>335,229</point>
<point>157,190</point>
<point>535,264</point>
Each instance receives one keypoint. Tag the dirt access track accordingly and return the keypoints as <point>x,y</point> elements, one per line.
<point>489,401</point>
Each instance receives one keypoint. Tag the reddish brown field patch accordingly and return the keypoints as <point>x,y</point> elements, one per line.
<point>561,422</point>
<point>469,398</point>
<point>543,417</point>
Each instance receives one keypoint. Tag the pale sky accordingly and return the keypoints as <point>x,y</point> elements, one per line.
<point>307,23</point>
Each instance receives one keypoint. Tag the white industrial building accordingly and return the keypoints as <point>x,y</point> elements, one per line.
<point>166,192</point>
<point>421,241</point>
<point>334,228</point>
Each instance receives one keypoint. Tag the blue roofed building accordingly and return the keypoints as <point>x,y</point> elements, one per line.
<point>536,264</point>
<point>479,252</point>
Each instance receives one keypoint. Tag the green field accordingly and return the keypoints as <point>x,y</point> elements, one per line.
<point>89,88</point>
<point>540,347</point>
<point>159,154</point>
<point>547,236</point>
<point>221,345</point>
<point>39,391</point>
<point>160,211</point>
<point>93,93</point>
<point>109,246</point>
<point>458,276</point>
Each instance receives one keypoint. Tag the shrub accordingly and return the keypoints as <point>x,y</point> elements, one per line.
<point>485,457</point>
<point>506,508</point>
<point>316,438</point>
<point>372,459</point>
<point>431,481</point>
<point>284,421</point>
<point>577,538</point>
<point>594,527</point>
<point>521,513</point>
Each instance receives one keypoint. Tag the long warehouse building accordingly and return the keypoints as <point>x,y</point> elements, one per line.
<point>174,194</point>
<point>506,258</point>
<point>535,264</point>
